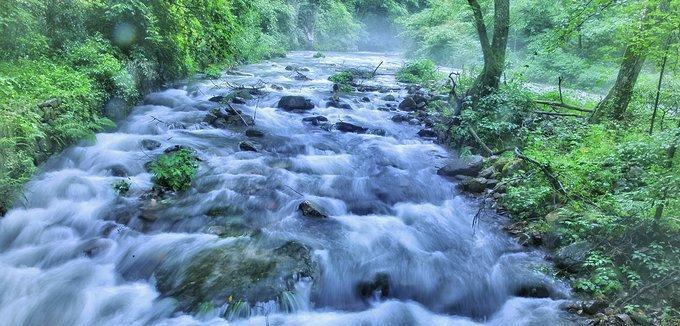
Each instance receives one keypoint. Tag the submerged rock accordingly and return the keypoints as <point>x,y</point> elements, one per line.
<point>247,146</point>
<point>241,271</point>
<point>225,118</point>
<point>468,166</point>
<point>335,103</point>
<point>378,287</point>
<point>348,127</point>
<point>295,103</point>
<point>150,144</point>
<point>316,120</point>
<point>309,210</point>
<point>254,133</point>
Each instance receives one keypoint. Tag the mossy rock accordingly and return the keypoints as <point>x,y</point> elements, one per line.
<point>242,271</point>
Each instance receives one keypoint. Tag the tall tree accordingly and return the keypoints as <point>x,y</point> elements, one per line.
<point>493,51</point>
<point>654,18</point>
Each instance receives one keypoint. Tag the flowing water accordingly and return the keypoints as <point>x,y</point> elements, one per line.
<point>397,248</point>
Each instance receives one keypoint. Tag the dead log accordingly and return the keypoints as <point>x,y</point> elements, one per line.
<point>562,105</point>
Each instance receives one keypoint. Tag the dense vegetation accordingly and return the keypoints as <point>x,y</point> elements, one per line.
<point>70,67</point>
<point>592,163</point>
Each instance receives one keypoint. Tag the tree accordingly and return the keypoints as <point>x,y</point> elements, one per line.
<point>654,22</point>
<point>494,52</point>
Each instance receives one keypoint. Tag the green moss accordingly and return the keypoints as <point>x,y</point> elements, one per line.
<point>344,79</point>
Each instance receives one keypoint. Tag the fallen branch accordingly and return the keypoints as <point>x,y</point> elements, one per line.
<point>376,69</point>
<point>547,171</point>
<point>557,114</point>
<point>239,115</point>
<point>485,147</point>
<point>562,105</point>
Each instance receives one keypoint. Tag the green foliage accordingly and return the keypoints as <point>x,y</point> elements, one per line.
<point>344,79</point>
<point>319,55</point>
<point>422,71</point>
<point>174,171</point>
<point>335,27</point>
<point>121,187</point>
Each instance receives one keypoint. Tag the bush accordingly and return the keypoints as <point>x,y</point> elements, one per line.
<point>174,171</point>
<point>344,79</point>
<point>423,71</point>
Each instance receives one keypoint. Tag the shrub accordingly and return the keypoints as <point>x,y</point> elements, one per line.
<point>121,187</point>
<point>174,171</point>
<point>344,79</point>
<point>423,71</point>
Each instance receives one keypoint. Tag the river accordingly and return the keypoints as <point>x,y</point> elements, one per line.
<point>397,246</point>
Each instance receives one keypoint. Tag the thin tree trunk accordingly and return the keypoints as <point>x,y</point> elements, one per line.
<point>658,86</point>
<point>494,52</point>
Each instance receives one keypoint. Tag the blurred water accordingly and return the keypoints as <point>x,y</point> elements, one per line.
<point>73,252</point>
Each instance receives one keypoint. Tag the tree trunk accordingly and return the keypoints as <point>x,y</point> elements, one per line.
<point>658,86</point>
<point>616,102</point>
<point>494,52</point>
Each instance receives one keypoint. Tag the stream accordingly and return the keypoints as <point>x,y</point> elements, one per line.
<point>397,247</point>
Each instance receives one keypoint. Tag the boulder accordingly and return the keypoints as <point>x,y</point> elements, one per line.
<point>572,256</point>
<point>533,291</point>
<point>389,98</point>
<point>413,103</point>
<point>335,103</point>
<point>365,99</point>
<point>348,127</point>
<point>150,144</point>
<point>468,166</point>
<point>238,100</point>
<point>427,133</point>
<point>477,185</point>
<point>295,103</point>
<point>247,146</point>
<point>400,118</point>
<point>378,287</point>
<point>254,133</point>
<point>309,210</point>
<point>315,120</point>
<point>240,273</point>
<point>378,131</point>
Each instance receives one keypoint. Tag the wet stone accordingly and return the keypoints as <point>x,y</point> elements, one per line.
<point>295,103</point>
<point>310,210</point>
<point>247,146</point>
<point>427,133</point>
<point>150,144</point>
<point>254,133</point>
<point>316,120</point>
<point>348,127</point>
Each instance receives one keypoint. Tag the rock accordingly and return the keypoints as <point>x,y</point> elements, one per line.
<point>593,307</point>
<point>572,256</point>
<point>50,103</point>
<point>175,148</point>
<point>316,120</point>
<point>118,170</point>
<point>477,185</point>
<point>348,127</point>
<point>309,210</point>
<point>625,319</point>
<point>365,99</point>
<point>379,132</point>
<point>379,286</point>
<point>302,77</point>
<point>296,68</point>
<point>247,146</point>
<point>413,103</point>
<point>276,87</point>
<point>295,103</point>
<point>225,118</point>
<point>427,133</point>
<point>218,99</point>
<point>334,103</point>
<point>488,172</point>
<point>533,291</point>
<point>468,166</point>
<point>400,118</point>
<point>238,100</point>
<point>389,98</point>
<point>240,273</point>
<point>217,230</point>
<point>238,73</point>
<point>254,133</point>
<point>150,144</point>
